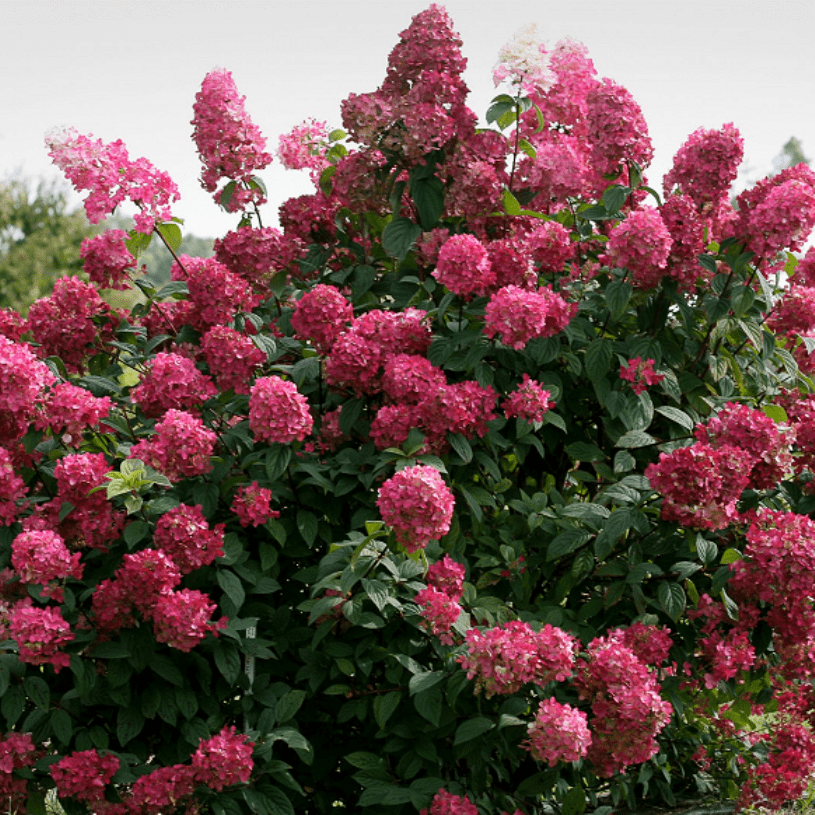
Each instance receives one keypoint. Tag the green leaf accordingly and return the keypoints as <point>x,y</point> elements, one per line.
<point>472,729</point>
<point>227,660</point>
<point>566,542</point>
<point>671,597</point>
<point>429,704</point>
<point>598,359</point>
<point>614,197</point>
<point>232,586</point>
<point>499,108</point>
<point>307,525</point>
<point>618,294</point>
<point>424,681</point>
<point>385,705</point>
<point>776,413</point>
<point>635,438</point>
<point>399,236</point>
<point>351,411</point>
<point>166,669</point>
<point>428,197</point>
<point>460,444</point>
<point>365,761</point>
<point>36,689</point>
<point>731,556</point>
<point>135,532</point>
<point>129,724</point>
<point>511,204</point>
<point>584,451</point>
<point>278,457</point>
<point>678,416</point>
<point>574,802</point>
<point>171,233</point>
<point>289,704</point>
<point>61,726</point>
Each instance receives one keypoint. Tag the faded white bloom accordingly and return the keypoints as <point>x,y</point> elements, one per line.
<point>523,62</point>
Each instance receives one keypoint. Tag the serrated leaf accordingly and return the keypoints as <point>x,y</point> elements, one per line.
<point>399,236</point>
<point>289,704</point>
<point>472,729</point>
<point>566,542</point>
<point>634,439</point>
<point>618,295</point>
<point>424,681</point>
<point>129,724</point>
<point>232,586</point>
<point>385,705</point>
<point>671,597</point>
<point>677,416</point>
<point>511,204</point>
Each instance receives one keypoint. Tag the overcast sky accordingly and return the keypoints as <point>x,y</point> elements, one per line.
<point>130,71</point>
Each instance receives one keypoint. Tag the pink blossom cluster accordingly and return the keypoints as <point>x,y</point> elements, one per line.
<point>68,411</point>
<point>257,253</point>
<point>93,521</point>
<point>17,750</point>
<point>440,600</point>
<point>157,791</point>
<point>309,218</point>
<point>641,243</point>
<point>22,379</point>
<point>701,484</point>
<point>528,401</point>
<point>12,489</point>
<point>511,261</point>
<point>559,733</point>
<point>359,352</point>
<point>321,315</point>
<point>505,658</point>
<point>232,358</point>
<point>171,382</point>
<point>40,634</point>
<point>463,266</point>
<point>409,378</point>
<point>253,505</point>
<point>551,247</point>
<point>304,148</point>
<point>650,643</point>
<point>517,315</point>
<point>640,373</point>
<point>794,313</point>
<point>40,557</point>
<point>616,128</point>
<point>627,709</point>
<point>184,535</point>
<point>111,177</point>
<point>229,144</point>
<point>181,619</point>
<point>278,412</point>
<point>687,230</point>
<point>71,322</point>
<point>559,169</point>
<point>108,262</point>
<point>417,504</point>
<point>181,446</point>
<point>217,295</point>
<point>223,760</point>
<point>84,775</point>
<point>706,165</point>
<point>728,654</point>
<point>446,803</point>
<point>754,433</point>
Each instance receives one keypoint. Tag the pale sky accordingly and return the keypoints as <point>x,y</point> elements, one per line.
<point>130,71</point>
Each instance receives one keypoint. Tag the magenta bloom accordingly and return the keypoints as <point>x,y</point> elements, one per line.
<point>559,733</point>
<point>223,760</point>
<point>171,382</point>
<point>185,536</point>
<point>320,316</point>
<point>641,243</point>
<point>229,144</point>
<point>40,634</point>
<point>182,618</point>
<point>529,401</point>
<point>418,505</point>
<point>108,261</point>
<point>232,357</point>
<point>278,412</point>
<point>641,374</point>
<point>253,505</point>
<point>464,266</point>
<point>518,315</point>
<point>84,775</point>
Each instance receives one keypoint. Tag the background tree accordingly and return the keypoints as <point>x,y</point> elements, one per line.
<point>792,153</point>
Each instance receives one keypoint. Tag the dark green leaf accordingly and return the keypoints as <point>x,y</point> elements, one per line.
<point>428,197</point>
<point>384,706</point>
<point>672,599</point>
<point>399,236</point>
<point>472,729</point>
<point>36,689</point>
<point>129,724</point>
<point>618,294</point>
<point>232,586</point>
<point>289,704</point>
<point>566,542</point>
<point>227,660</point>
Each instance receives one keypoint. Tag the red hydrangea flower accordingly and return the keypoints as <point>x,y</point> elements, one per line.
<point>40,634</point>
<point>408,378</point>
<point>256,254</point>
<point>519,315</point>
<point>418,505</point>
<point>439,613</point>
<point>641,243</point>
<point>12,489</point>
<point>229,144</point>
<point>321,315</point>
<point>69,411</point>
<point>84,775</point>
<point>559,733</point>
<point>278,412</point>
<point>182,619</point>
<point>171,382</point>
<point>505,658</point>
<point>181,446</point>
<point>232,358</point>
<point>304,148</point>
<point>463,266</point>
<point>185,536</point>
<point>528,401</point>
<point>223,760</point>
<point>161,790</point>
<point>40,556</point>
<point>446,576</point>
<point>551,247</point>
<point>108,262</point>
<point>253,505</point>
<point>16,751</point>
<point>641,374</point>
<point>445,803</point>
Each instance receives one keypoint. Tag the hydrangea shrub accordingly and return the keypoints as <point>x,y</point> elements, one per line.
<point>481,485</point>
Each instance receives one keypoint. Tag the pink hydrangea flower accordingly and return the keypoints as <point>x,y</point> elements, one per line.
<point>304,148</point>
<point>69,411</point>
<point>40,634</point>
<point>84,775</point>
<point>408,378</point>
<point>111,177</point>
<point>417,504</point>
<point>641,243</point>
<point>559,733</point>
<point>108,262</point>
<point>439,613</point>
<point>278,412</point>
<point>232,357</point>
<point>17,750</point>
<point>171,381</point>
<point>445,803</point>
<point>12,489</point>
<point>687,229</point>
<point>223,760</point>
<point>185,536</point>
<point>229,144</point>
<point>181,446</point>
<point>253,505</point>
<point>551,247</point>
<point>446,576</point>
<point>255,254</point>
<point>518,315</point>
<point>640,373</point>
<point>321,315</point>
<point>706,165</point>
<point>160,790</point>
<point>463,266</point>
<point>528,401</point>
<point>40,556</point>
<point>503,659</point>
<point>181,619</point>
